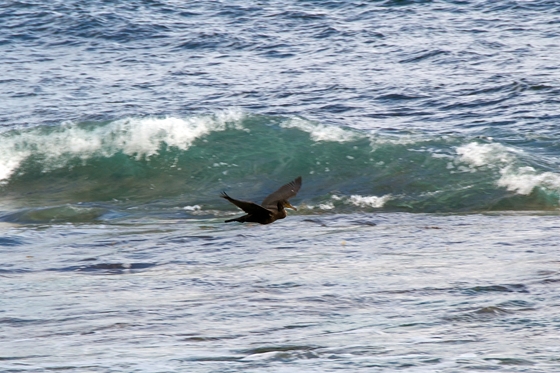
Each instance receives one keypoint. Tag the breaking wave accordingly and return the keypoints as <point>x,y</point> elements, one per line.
<point>179,166</point>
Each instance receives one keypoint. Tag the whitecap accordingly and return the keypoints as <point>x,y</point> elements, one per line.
<point>320,132</point>
<point>369,201</point>
<point>135,137</point>
<point>488,155</point>
<point>524,179</point>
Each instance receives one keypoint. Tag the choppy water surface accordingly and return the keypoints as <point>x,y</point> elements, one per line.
<point>425,240</point>
<point>359,292</point>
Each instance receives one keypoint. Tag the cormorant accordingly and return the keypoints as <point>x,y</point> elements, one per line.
<point>271,209</point>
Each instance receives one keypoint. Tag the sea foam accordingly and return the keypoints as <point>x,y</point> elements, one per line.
<point>363,201</point>
<point>369,201</point>
<point>513,176</point>
<point>320,132</point>
<point>484,155</point>
<point>135,137</point>
<point>524,179</point>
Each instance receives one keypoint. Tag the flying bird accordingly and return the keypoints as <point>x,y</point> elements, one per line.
<point>272,208</point>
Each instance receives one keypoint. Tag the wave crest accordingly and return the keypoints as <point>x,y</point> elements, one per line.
<point>182,164</point>
<point>136,137</point>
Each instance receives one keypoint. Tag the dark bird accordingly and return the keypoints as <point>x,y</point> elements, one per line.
<point>271,209</point>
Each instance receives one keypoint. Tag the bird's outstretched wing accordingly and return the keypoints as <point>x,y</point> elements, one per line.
<point>284,193</point>
<point>248,207</point>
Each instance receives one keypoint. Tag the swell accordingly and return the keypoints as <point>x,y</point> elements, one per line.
<point>180,165</point>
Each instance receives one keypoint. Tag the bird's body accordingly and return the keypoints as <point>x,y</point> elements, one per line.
<point>271,209</point>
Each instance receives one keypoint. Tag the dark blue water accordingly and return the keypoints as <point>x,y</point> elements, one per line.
<point>470,67</point>
<point>426,133</point>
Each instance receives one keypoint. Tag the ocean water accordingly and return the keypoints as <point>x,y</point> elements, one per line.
<point>426,235</point>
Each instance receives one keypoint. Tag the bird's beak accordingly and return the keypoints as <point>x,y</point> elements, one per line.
<point>287,204</point>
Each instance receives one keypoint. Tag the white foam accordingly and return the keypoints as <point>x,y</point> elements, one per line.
<point>144,137</point>
<point>9,161</point>
<point>524,179</point>
<point>515,178</point>
<point>489,155</point>
<point>138,137</point>
<point>356,200</point>
<point>404,140</point>
<point>320,132</point>
<point>326,206</point>
<point>369,201</point>
<point>322,206</point>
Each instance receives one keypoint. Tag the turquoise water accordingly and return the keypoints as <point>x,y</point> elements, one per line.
<point>176,167</point>
<point>425,239</point>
